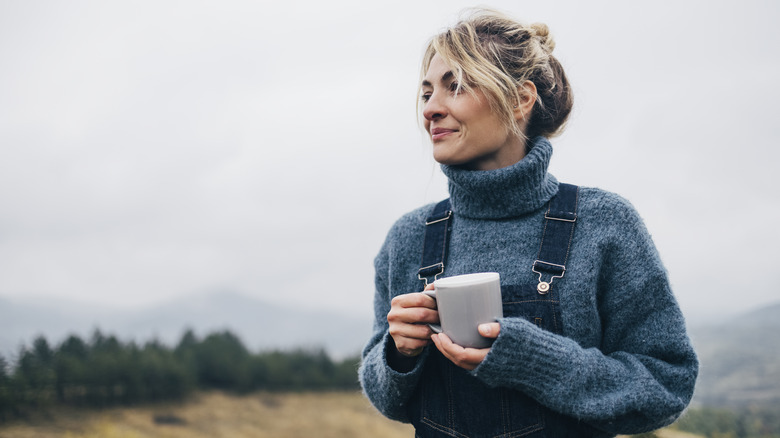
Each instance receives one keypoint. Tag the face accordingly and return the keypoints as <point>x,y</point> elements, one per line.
<point>463,129</point>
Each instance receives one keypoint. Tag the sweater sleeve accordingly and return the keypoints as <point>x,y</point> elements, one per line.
<point>387,389</point>
<point>642,375</point>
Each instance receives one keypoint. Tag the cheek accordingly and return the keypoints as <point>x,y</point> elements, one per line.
<point>484,127</point>
<point>494,125</point>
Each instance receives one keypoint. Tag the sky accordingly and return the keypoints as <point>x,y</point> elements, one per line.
<point>150,151</point>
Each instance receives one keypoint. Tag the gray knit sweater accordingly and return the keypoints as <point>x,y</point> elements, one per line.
<point>624,363</point>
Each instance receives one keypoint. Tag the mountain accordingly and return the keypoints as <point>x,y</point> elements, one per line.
<point>740,359</point>
<point>260,325</point>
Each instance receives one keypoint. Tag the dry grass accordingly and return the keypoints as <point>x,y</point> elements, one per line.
<point>214,415</point>
<point>670,433</point>
<point>219,415</point>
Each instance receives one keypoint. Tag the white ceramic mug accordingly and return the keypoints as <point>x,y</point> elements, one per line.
<point>464,302</point>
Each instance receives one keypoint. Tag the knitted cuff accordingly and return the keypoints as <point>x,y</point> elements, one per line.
<point>526,357</point>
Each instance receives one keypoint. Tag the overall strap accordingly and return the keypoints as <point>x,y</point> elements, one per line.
<point>437,235</point>
<point>558,231</point>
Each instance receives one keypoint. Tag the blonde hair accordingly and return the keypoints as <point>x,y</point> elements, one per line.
<point>497,55</point>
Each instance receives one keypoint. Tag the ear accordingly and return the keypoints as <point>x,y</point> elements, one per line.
<point>527,92</point>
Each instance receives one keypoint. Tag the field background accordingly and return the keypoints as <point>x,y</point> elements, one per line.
<point>216,414</point>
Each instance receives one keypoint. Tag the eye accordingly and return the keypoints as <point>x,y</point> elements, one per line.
<point>455,87</point>
<point>425,96</point>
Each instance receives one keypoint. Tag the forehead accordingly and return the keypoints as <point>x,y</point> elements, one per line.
<point>438,71</point>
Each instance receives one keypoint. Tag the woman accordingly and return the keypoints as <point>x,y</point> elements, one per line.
<point>592,342</point>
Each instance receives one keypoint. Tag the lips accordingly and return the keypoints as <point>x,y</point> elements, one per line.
<point>440,133</point>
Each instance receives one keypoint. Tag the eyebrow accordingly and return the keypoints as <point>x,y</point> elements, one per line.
<point>445,77</point>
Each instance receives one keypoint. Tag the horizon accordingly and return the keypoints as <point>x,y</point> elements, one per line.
<point>52,303</point>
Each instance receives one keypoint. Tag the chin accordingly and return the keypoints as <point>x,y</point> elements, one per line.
<point>448,159</point>
<point>448,162</point>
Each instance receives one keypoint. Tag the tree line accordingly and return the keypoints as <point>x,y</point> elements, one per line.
<point>104,371</point>
<point>754,421</point>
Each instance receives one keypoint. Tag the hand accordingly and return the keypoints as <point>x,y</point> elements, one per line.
<point>409,317</point>
<point>466,358</point>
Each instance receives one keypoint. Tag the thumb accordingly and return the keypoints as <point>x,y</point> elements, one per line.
<point>489,330</point>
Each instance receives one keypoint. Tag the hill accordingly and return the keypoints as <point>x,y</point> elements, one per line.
<point>740,360</point>
<point>260,325</point>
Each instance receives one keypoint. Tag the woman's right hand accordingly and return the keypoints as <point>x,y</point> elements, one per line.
<point>409,317</point>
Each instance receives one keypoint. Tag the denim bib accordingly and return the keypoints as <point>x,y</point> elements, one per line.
<point>450,402</point>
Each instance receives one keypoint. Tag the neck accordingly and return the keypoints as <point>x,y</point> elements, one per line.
<point>504,157</point>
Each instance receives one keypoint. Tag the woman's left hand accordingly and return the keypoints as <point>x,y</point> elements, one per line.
<point>466,358</point>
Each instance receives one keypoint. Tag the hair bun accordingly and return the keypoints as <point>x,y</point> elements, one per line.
<point>542,32</point>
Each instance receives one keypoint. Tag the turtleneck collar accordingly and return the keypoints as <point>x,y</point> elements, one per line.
<point>507,192</point>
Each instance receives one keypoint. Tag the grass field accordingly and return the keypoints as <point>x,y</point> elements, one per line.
<point>261,415</point>
<point>215,415</point>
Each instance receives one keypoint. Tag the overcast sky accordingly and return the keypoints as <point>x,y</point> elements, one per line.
<point>151,150</point>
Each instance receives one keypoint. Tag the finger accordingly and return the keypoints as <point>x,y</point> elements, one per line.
<point>489,330</point>
<point>410,331</point>
<point>426,300</point>
<point>467,358</point>
<point>413,315</point>
<point>445,345</point>
<point>409,349</point>
<point>448,348</point>
<point>415,299</point>
<point>406,344</point>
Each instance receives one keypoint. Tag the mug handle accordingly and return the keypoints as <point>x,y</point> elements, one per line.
<point>435,327</point>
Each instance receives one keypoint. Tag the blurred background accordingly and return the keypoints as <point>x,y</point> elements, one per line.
<point>237,164</point>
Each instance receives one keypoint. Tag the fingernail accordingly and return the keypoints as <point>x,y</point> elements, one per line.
<point>484,329</point>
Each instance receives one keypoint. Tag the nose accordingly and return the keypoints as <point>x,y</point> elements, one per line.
<point>434,108</point>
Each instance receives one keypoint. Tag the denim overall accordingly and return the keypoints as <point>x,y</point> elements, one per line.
<point>450,402</point>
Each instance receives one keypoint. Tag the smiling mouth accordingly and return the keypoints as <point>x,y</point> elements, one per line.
<point>440,133</point>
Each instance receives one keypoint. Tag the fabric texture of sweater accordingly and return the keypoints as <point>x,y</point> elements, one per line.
<point>624,363</point>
